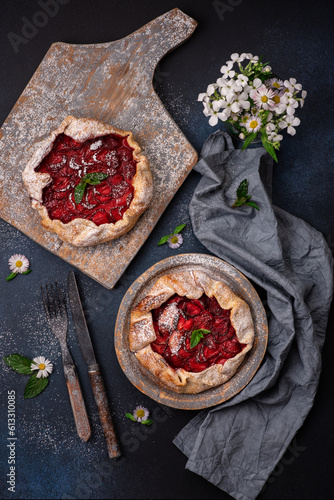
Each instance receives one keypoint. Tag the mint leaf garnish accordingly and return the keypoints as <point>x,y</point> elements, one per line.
<point>243,198</point>
<point>79,191</point>
<point>35,386</point>
<point>19,363</point>
<point>93,178</point>
<point>197,335</point>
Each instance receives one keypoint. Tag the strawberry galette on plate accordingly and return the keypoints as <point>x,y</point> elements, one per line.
<point>191,331</point>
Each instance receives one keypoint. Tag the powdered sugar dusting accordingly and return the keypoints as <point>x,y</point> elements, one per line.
<point>96,145</point>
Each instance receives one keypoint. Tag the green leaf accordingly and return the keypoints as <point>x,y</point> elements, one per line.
<point>242,190</point>
<point>94,178</point>
<point>269,147</point>
<point>164,239</point>
<point>19,363</point>
<point>130,416</point>
<point>35,386</point>
<point>241,201</point>
<point>248,140</point>
<point>243,198</point>
<point>27,271</point>
<point>79,191</point>
<point>11,276</point>
<point>149,421</point>
<point>196,336</point>
<point>179,228</point>
<point>252,204</point>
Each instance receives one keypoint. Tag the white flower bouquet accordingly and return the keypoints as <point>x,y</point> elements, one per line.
<point>253,102</point>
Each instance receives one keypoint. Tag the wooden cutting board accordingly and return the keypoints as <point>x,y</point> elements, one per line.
<point>111,82</point>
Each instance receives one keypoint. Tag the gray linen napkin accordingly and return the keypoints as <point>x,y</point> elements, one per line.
<point>237,444</point>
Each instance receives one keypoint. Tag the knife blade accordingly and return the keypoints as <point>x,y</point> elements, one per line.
<point>88,354</point>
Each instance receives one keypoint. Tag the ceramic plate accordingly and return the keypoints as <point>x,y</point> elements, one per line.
<point>143,379</point>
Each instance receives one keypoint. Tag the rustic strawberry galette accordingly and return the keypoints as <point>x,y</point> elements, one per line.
<point>191,331</point>
<point>89,181</point>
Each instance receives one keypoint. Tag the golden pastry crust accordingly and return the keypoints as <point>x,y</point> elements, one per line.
<point>192,284</point>
<point>83,232</point>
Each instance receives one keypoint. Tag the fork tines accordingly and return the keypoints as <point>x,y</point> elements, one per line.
<point>53,300</point>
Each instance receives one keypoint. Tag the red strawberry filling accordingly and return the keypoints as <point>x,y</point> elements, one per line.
<point>69,161</point>
<point>174,323</point>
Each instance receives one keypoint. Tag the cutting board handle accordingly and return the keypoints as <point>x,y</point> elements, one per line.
<point>164,34</point>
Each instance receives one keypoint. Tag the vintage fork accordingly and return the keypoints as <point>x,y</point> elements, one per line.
<point>56,313</point>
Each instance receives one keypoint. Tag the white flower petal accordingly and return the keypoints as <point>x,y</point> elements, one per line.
<point>291,130</point>
<point>213,120</point>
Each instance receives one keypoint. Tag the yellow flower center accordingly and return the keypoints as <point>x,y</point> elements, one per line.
<point>19,263</point>
<point>140,413</point>
<point>277,99</point>
<point>253,124</point>
<point>275,84</point>
<point>264,98</point>
<point>244,119</point>
<point>174,239</point>
<point>41,366</point>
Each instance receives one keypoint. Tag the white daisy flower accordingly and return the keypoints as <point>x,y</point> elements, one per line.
<point>176,240</point>
<point>227,70</point>
<point>141,413</point>
<point>18,263</point>
<point>244,119</point>
<point>263,98</point>
<point>275,83</point>
<point>43,365</point>
<point>253,124</point>
<point>290,122</point>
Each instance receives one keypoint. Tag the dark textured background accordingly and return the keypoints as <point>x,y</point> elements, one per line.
<point>296,38</point>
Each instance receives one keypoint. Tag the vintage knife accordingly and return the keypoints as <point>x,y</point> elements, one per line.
<point>93,368</point>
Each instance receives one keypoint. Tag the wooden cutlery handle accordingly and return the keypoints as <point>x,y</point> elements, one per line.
<point>105,416</point>
<point>77,403</point>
